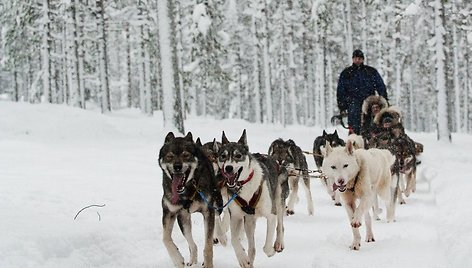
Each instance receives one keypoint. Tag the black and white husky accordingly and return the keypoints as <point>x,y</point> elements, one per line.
<point>257,185</point>
<point>290,156</point>
<point>318,150</point>
<point>189,186</point>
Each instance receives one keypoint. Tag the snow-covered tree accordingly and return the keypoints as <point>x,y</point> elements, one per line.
<point>170,78</point>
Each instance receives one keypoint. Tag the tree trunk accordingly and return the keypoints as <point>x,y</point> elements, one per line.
<point>267,76</point>
<point>169,65</point>
<point>141,70</point>
<point>15,85</point>
<point>46,52</point>
<point>128,93</point>
<point>103,58</point>
<point>255,74</point>
<point>348,27</point>
<point>455,45</point>
<point>441,74</point>
<point>78,98</point>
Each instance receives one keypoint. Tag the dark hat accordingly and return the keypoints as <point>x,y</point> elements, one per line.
<point>358,53</point>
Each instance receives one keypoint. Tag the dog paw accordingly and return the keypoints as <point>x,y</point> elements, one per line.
<point>356,224</point>
<point>402,202</point>
<point>338,204</point>
<point>370,239</point>
<point>245,264</point>
<point>207,266</point>
<point>269,251</point>
<point>407,193</point>
<point>355,246</point>
<point>188,264</point>
<point>278,247</point>
<point>290,212</point>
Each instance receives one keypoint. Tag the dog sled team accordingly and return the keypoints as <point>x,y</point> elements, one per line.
<point>232,187</point>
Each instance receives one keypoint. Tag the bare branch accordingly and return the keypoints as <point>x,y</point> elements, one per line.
<point>89,207</point>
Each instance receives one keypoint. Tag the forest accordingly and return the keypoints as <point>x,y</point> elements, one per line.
<point>264,61</point>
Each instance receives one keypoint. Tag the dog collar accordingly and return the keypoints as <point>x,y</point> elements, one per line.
<point>355,182</point>
<point>248,178</point>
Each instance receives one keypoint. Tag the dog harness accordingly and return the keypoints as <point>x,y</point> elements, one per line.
<point>353,186</point>
<point>250,208</point>
<point>190,194</point>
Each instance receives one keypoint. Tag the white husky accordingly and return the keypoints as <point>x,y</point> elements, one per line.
<point>360,175</point>
<point>357,141</point>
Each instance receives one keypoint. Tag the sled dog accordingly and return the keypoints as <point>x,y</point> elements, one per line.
<point>360,175</point>
<point>187,176</point>
<point>404,169</point>
<point>356,140</point>
<point>255,181</point>
<point>290,156</point>
<point>318,150</point>
<point>210,149</point>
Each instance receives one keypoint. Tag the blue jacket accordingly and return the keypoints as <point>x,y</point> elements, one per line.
<point>355,84</point>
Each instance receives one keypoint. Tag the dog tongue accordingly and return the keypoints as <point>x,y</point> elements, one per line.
<point>231,178</point>
<point>176,182</point>
<point>335,187</point>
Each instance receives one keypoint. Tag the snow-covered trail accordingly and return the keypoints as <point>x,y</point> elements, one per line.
<point>49,171</point>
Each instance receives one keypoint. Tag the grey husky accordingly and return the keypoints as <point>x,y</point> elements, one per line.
<point>258,186</point>
<point>290,156</point>
<point>189,186</point>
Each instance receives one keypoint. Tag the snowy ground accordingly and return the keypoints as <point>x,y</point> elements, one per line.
<point>55,160</point>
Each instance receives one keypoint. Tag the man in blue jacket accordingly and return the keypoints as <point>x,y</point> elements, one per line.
<point>356,83</point>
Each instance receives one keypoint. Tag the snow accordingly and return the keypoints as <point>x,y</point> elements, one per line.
<point>412,10</point>
<point>201,18</point>
<point>56,160</point>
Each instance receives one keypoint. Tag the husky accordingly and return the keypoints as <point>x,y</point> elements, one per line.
<point>404,169</point>
<point>255,180</point>
<point>318,151</point>
<point>360,174</point>
<point>356,140</point>
<point>394,138</point>
<point>188,176</point>
<point>290,156</point>
<point>210,149</point>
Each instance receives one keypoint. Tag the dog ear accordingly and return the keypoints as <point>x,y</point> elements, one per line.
<point>224,140</point>
<point>290,153</point>
<point>328,149</point>
<point>189,136</point>
<point>271,149</point>
<point>199,142</point>
<point>243,139</point>
<point>215,146</point>
<point>336,133</point>
<point>324,133</point>
<point>349,147</point>
<point>170,136</point>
